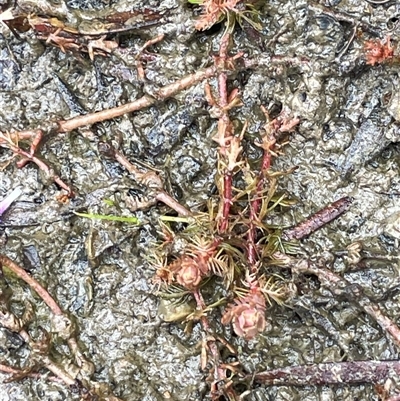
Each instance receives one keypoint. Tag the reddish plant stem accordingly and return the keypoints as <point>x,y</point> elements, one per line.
<point>61,323</point>
<point>268,140</point>
<point>222,90</point>
<point>19,374</point>
<point>254,211</point>
<point>9,369</point>
<point>164,93</point>
<point>39,352</point>
<point>222,77</point>
<point>168,200</point>
<point>227,202</point>
<point>201,306</point>
<point>339,373</point>
<point>148,178</point>
<point>251,237</point>
<point>139,66</point>
<point>62,319</point>
<point>266,163</point>
<point>45,360</point>
<point>23,275</point>
<point>58,371</point>
<point>22,135</point>
<point>30,157</point>
<point>89,119</point>
<point>206,326</point>
<point>46,169</point>
<point>219,373</point>
<point>225,128</point>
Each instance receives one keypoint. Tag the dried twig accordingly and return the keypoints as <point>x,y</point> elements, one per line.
<point>145,101</point>
<point>318,220</point>
<point>354,293</point>
<point>339,373</point>
<point>138,62</point>
<point>40,356</point>
<point>89,119</point>
<point>62,323</point>
<point>148,178</point>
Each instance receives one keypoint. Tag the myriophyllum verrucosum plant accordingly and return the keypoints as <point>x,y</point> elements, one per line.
<point>226,265</point>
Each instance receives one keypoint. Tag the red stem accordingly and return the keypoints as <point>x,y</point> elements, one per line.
<point>223,103</point>
<point>22,274</point>
<point>227,200</point>
<point>254,210</point>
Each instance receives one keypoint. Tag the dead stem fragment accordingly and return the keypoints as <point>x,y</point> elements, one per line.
<point>318,220</point>
<point>338,373</point>
<point>11,142</point>
<point>145,101</point>
<point>148,178</point>
<point>354,293</point>
<point>76,370</point>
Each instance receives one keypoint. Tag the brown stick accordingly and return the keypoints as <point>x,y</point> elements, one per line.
<point>168,200</point>
<point>145,101</point>
<point>19,374</point>
<point>169,90</point>
<point>330,373</point>
<point>219,373</point>
<point>45,168</point>
<point>318,220</point>
<point>45,360</point>
<point>148,178</point>
<point>164,93</point>
<point>340,286</point>
<point>57,370</point>
<point>9,369</point>
<point>14,137</point>
<point>89,119</point>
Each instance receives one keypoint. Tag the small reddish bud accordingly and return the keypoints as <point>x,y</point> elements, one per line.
<point>247,320</point>
<point>189,275</point>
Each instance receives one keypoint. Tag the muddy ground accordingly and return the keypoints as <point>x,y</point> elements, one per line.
<point>98,270</point>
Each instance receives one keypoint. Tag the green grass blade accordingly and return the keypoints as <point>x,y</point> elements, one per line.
<point>133,220</point>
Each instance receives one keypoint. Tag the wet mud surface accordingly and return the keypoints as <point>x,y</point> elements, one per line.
<point>345,145</point>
